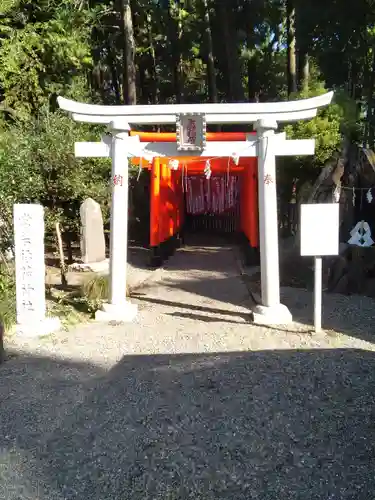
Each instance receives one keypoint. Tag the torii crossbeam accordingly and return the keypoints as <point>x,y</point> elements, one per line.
<point>266,145</point>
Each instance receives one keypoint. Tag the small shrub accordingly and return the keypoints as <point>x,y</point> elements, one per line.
<point>97,288</point>
<point>70,309</point>
<point>96,291</point>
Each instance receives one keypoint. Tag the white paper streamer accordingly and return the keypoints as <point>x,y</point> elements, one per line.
<point>207,169</point>
<point>173,164</point>
<point>235,158</point>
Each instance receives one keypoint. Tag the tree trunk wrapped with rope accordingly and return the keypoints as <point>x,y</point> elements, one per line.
<point>354,270</point>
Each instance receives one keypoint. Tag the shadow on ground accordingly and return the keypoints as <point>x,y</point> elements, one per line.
<point>351,315</point>
<point>198,312</point>
<point>139,256</point>
<point>267,424</point>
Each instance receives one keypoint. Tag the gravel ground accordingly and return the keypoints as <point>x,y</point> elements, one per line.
<point>192,401</point>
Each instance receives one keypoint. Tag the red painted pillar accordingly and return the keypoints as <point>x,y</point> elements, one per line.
<point>155,203</point>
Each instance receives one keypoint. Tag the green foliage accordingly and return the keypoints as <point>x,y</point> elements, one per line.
<point>37,164</point>
<point>43,52</point>
<point>66,181</point>
<point>327,128</point>
<point>7,297</point>
<point>70,308</point>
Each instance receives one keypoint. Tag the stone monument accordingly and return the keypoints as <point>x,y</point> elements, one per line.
<point>92,232</point>
<point>30,272</point>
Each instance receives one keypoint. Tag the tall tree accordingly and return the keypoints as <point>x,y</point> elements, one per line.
<point>292,61</point>
<point>302,42</point>
<point>252,90</point>
<point>230,41</point>
<point>153,62</point>
<point>175,29</point>
<point>129,69</point>
<point>211,75</point>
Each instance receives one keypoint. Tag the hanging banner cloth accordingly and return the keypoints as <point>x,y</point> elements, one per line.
<point>216,195</point>
<point>195,195</point>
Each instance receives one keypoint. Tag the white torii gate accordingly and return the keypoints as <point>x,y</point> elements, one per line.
<point>266,145</point>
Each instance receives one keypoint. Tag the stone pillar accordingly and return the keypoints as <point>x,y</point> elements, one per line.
<point>271,312</point>
<point>119,308</point>
<point>30,272</point>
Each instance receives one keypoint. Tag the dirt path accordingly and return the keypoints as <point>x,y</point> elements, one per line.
<point>189,401</point>
<point>199,282</point>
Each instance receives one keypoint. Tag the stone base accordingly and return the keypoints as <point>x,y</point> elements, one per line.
<point>274,315</point>
<point>38,328</point>
<point>124,313</point>
<point>101,267</point>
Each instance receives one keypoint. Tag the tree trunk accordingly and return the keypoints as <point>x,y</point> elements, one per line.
<point>370,130</point>
<point>304,70</point>
<point>235,89</point>
<point>292,63</point>
<point>100,84</point>
<point>252,87</point>
<point>175,21</point>
<point>355,90</point>
<point>155,83</point>
<point>211,76</point>
<point>302,42</point>
<point>129,69</point>
<point>68,237</point>
<point>113,70</point>
<point>253,91</point>
<point>143,95</point>
<point>358,83</point>
<point>349,86</point>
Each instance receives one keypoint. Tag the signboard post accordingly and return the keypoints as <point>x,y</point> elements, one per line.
<point>319,237</point>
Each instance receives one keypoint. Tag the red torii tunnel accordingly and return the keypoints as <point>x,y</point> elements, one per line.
<point>182,197</point>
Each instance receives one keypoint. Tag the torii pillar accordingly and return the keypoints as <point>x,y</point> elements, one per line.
<point>271,311</point>
<point>265,147</point>
<point>119,307</point>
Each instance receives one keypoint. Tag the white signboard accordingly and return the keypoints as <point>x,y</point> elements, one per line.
<point>191,131</point>
<point>320,229</point>
<point>30,268</point>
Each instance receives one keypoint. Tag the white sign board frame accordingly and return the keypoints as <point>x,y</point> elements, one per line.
<point>191,131</point>
<point>319,236</point>
<point>320,229</point>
